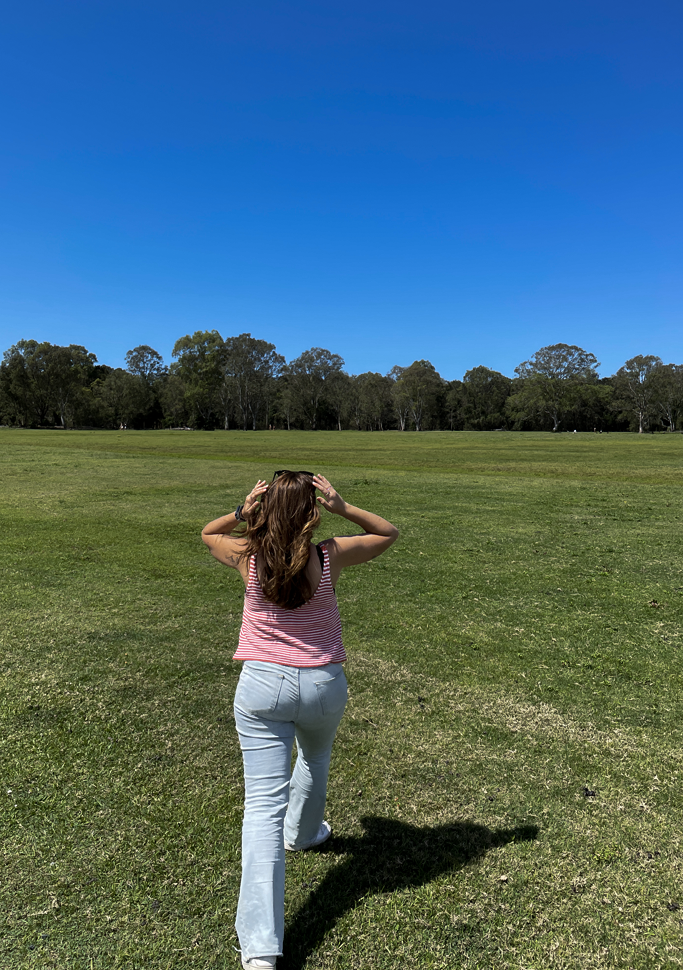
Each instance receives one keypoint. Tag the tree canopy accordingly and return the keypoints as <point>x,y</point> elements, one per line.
<point>242,382</point>
<point>553,383</point>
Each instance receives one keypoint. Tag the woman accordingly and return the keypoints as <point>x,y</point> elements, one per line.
<point>292,685</point>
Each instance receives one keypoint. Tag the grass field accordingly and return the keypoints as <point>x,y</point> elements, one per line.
<point>506,785</point>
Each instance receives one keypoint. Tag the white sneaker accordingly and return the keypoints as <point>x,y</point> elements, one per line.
<point>259,963</point>
<point>324,832</point>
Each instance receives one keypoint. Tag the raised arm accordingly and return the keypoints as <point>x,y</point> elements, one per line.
<point>346,551</point>
<point>217,533</point>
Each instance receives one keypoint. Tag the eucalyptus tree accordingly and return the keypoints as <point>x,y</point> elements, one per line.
<point>172,399</point>
<point>145,362</point>
<point>249,367</point>
<point>453,405</point>
<point>198,365</point>
<point>635,389</point>
<point>400,396</point>
<point>72,369</point>
<point>8,410</point>
<point>226,391</point>
<point>125,396</point>
<point>420,388</point>
<point>371,400</point>
<point>484,393</point>
<point>148,364</point>
<point>338,396</point>
<point>667,381</point>
<point>552,383</point>
<point>593,408</point>
<point>26,383</point>
<point>286,401</point>
<point>42,379</point>
<point>311,377</point>
<point>28,378</point>
<point>356,401</point>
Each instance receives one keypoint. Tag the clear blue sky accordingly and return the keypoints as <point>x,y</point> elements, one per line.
<point>461,182</point>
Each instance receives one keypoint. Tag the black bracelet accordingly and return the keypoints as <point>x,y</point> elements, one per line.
<point>238,514</point>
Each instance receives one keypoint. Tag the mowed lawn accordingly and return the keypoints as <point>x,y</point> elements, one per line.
<point>506,785</point>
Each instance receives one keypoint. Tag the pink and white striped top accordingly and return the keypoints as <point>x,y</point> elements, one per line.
<point>309,636</point>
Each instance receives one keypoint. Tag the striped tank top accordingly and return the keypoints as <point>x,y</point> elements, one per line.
<point>309,636</point>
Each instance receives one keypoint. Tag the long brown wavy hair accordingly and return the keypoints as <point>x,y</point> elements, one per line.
<point>280,533</point>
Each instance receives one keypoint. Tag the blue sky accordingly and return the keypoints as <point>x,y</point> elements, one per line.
<point>463,183</point>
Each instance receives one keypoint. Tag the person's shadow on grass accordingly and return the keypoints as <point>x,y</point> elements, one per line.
<point>390,855</point>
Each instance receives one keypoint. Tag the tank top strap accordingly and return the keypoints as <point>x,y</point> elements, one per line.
<point>324,554</point>
<point>253,578</point>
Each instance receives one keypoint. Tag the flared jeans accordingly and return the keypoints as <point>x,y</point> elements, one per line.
<point>274,705</point>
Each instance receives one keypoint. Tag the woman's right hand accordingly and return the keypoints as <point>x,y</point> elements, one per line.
<point>330,500</point>
<point>251,502</point>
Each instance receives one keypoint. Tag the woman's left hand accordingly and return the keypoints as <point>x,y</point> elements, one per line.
<point>330,499</point>
<point>251,502</point>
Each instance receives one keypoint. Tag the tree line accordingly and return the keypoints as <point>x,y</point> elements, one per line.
<point>242,382</point>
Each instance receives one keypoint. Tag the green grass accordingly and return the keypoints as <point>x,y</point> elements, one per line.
<point>506,785</point>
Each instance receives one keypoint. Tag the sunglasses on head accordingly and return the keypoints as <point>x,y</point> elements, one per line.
<point>285,471</point>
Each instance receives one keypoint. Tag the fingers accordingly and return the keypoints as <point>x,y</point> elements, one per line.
<point>251,501</point>
<point>259,488</point>
<point>322,483</point>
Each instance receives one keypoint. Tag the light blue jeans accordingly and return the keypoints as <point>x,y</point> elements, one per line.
<point>274,705</point>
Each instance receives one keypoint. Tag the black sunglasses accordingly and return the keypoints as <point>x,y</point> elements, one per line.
<point>285,471</point>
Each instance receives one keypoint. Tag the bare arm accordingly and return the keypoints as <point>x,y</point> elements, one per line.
<point>217,534</point>
<point>352,550</point>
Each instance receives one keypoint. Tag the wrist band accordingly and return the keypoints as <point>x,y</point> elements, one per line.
<point>238,514</point>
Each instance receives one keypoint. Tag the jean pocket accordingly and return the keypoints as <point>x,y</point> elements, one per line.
<point>333,693</point>
<point>258,690</point>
